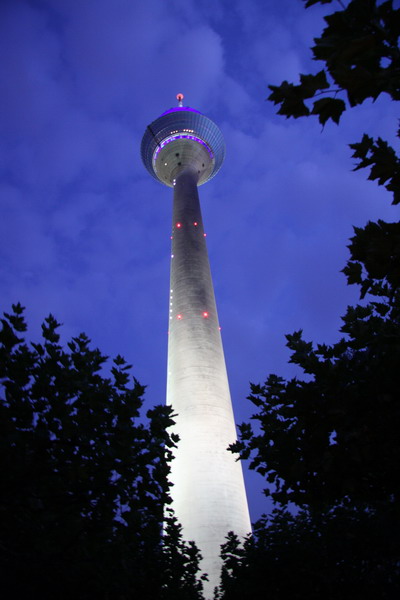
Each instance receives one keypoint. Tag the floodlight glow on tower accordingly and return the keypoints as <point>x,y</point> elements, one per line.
<point>183,149</point>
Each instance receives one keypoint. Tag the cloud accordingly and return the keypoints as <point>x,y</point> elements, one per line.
<point>31,62</point>
<point>27,247</point>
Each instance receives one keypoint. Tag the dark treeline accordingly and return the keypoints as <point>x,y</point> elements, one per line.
<point>84,480</point>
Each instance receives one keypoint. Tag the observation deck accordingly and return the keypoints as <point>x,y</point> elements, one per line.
<point>182,137</point>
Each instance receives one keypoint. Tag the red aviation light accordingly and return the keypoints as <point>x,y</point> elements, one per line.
<point>205,314</point>
<point>204,234</point>
<point>195,223</point>
<point>179,317</point>
<point>178,225</point>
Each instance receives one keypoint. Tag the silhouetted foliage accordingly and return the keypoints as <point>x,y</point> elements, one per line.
<point>84,480</point>
<point>341,554</point>
<point>360,51</point>
<point>328,445</point>
<point>339,428</point>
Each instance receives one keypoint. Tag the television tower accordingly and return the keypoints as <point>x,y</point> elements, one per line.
<point>183,149</point>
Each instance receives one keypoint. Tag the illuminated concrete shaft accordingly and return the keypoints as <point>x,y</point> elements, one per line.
<point>183,149</point>
<point>208,494</point>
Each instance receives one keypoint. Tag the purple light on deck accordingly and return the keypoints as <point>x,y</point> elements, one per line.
<point>178,108</point>
<point>185,136</point>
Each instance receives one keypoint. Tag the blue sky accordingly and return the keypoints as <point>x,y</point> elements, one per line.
<point>84,228</point>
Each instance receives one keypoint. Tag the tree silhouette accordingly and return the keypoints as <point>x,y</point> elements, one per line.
<point>84,478</point>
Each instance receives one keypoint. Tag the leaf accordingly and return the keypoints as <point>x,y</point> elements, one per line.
<point>290,99</point>
<point>328,108</point>
<point>383,162</point>
<point>362,148</point>
<point>310,84</point>
<point>353,271</point>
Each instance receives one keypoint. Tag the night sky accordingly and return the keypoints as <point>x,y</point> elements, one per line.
<point>85,230</point>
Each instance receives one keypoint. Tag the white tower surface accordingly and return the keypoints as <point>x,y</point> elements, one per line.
<point>183,149</point>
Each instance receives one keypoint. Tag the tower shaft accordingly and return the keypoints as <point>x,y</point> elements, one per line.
<point>208,491</point>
